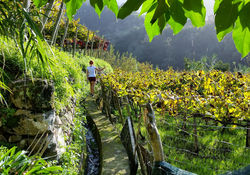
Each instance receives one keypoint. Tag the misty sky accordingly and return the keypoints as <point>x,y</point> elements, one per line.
<point>208,3</point>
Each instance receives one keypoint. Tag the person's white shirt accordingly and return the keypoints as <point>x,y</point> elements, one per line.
<point>91,71</point>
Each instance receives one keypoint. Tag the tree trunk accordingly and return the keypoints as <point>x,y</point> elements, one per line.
<point>47,13</point>
<point>65,33</point>
<point>75,40</point>
<point>154,136</point>
<point>56,28</point>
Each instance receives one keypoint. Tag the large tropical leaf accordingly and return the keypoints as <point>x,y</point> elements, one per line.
<point>241,32</point>
<point>129,7</point>
<point>72,6</point>
<point>195,11</point>
<point>226,15</point>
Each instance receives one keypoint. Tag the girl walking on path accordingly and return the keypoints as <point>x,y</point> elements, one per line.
<point>91,75</point>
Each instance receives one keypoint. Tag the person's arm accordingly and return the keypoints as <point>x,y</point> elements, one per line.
<point>101,69</point>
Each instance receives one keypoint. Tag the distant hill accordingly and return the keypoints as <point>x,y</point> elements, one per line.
<point>165,50</point>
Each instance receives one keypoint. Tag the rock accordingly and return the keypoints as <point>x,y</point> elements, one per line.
<point>57,144</point>
<point>58,121</point>
<point>15,138</point>
<point>29,123</point>
<point>2,138</point>
<point>22,144</point>
<point>67,118</point>
<point>36,95</point>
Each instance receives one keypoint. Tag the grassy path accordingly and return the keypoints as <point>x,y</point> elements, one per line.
<point>114,156</point>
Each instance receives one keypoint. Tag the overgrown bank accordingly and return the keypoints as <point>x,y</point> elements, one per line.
<point>62,86</point>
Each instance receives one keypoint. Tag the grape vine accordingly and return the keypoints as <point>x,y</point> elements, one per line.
<point>223,97</point>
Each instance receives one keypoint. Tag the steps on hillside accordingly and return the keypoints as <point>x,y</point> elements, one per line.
<point>114,156</point>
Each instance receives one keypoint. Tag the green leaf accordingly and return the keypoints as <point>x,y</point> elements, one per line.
<point>151,29</point>
<point>32,24</point>
<point>40,3</point>
<point>129,7</point>
<point>162,21</point>
<point>146,6</point>
<point>241,32</point>
<point>72,6</point>
<point>216,5</point>
<point>98,6</point>
<point>225,18</point>
<point>195,10</point>
<point>161,9</point>
<point>112,5</point>
<point>177,16</point>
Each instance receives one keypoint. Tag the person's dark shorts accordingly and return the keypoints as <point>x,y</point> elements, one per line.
<point>92,79</point>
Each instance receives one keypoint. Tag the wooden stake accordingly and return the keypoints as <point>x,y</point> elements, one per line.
<point>92,44</point>
<point>196,148</point>
<point>75,39</point>
<point>86,44</point>
<point>248,135</point>
<point>154,135</point>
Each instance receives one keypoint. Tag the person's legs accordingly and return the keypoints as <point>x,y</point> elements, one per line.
<point>92,87</point>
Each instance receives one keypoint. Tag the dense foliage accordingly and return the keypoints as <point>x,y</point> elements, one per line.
<point>69,79</point>
<point>223,97</point>
<point>16,162</point>
<point>197,114</point>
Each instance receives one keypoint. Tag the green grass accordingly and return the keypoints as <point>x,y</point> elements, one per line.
<point>213,156</point>
<point>66,73</point>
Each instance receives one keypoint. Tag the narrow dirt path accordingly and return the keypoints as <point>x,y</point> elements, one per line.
<point>114,156</point>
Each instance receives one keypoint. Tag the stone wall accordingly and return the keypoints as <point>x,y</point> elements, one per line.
<point>36,126</point>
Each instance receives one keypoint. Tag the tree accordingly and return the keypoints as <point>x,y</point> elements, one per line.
<point>230,16</point>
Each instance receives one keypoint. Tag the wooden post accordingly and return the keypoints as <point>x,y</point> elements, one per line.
<point>99,47</point>
<point>26,4</point>
<point>47,13</point>
<point>119,108</point>
<point>154,136</point>
<point>92,44</point>
<point>196,148</point>
<point>138,150</point>
<point>57,24</point>
<point>75,39</point>
<point>248,135</point>
<point>102,51</point>
<point>105,102</point>
<point>65,34</point>
<point>86,44</point>
<point>127,106</point>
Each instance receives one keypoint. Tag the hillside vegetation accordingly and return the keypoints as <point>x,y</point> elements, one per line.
<point>67,74</point>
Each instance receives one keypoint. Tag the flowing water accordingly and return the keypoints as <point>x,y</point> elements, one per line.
<point>93,159</point>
